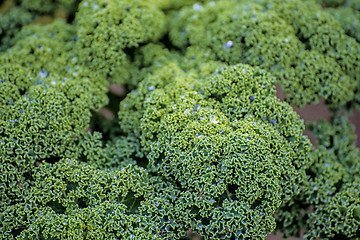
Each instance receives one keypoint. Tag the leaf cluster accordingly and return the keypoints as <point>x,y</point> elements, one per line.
<point>200,143</point>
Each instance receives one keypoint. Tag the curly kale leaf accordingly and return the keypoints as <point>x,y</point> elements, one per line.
<point>306,48</point>
<point>328,203</point>
<point>226,140</point>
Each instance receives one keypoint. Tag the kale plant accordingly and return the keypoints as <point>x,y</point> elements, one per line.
<point>199,145</point>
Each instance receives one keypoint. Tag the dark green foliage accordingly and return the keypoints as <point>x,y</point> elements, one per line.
<point>332,188</point>
<point>41,126</point>
<point>71,200</point>
<point>39,6</point>
<point>173,4</point>
<point>224,137</point>
<point>149,58</point>
<point>200,144</point>
<point>117,153</point>
<point>227,28</point>
<point>45,56</point>
<point>336,44</point>
<point>331,3</point>
<point>109,29</point>
<point>46,6</point>
<point>312,24</point>
<point>349,20</point>
<point>307,79</point>
<point>271,36</point>
<point>45,109</point>
<point>10,23</point>
<point>355,4</point>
